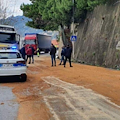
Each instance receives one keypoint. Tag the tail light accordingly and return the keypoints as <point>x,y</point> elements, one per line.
<point>22,62</point>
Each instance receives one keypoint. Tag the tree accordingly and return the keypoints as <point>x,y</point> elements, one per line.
<point>49,14</point>
<point>5,10</point>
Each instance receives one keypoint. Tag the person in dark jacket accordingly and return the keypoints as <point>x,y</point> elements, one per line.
<point>29,54</point>
<point>22,51</point>
<point>62,55</point>
<point>33,50</point>
<point>52,53</point>
<point>68,52</point>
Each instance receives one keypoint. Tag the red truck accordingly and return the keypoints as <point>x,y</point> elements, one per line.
<point>31,39</point>
<point>41,41</point>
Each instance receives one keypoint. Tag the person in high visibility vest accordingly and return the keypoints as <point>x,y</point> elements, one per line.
<point>38,52</point>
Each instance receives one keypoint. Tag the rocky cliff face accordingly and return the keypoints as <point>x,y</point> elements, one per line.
<point>98,36</point>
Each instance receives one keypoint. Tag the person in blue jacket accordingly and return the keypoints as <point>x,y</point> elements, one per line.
<point>68,53</point>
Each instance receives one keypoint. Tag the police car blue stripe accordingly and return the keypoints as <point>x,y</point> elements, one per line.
<point>18,65</point>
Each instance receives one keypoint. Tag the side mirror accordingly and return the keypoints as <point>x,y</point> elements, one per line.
<point>17,37</point>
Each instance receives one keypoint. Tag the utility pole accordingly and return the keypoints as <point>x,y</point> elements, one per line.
<point>73,15</point>
<point>73,27</point>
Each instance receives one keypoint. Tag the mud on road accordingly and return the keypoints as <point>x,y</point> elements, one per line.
<point>57,93</point>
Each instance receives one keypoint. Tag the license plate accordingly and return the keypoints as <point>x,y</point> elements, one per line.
<point>7,65</point>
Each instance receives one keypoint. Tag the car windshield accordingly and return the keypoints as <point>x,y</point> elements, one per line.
<point>30,42</point>
<point>9,55</point>
<point>7,38</point>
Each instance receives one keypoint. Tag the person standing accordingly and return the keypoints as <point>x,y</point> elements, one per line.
<point>62,55</point>
<point>52,53</point>
<point>68,52</point>
<point>29,54</point>
<point>38,52</point>
<point>22,51</point>
<point>33,50</point>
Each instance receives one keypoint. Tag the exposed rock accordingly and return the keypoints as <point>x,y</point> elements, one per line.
<point>98,36</point>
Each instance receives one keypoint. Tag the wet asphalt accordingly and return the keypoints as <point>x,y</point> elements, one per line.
<point>8,104</point>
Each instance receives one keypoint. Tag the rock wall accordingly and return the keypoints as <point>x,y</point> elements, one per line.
<point>98,36</point>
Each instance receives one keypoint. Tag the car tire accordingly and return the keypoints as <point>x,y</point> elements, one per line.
<point>23,77</point>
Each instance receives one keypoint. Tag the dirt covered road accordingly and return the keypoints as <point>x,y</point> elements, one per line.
<point>79,93</point>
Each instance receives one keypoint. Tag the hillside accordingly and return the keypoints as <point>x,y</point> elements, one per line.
<point>98,36</point>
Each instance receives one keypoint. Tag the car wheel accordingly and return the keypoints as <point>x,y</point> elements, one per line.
<point>23,77</point>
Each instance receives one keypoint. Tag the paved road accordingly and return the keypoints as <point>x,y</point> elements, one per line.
<point>8,104</point>
<point>64,101</point>
<point>71,102</point>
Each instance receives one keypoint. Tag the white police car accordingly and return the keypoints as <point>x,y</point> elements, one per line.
<point>12,64</point>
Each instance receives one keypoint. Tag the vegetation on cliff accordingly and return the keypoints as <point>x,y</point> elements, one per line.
<point>49,14</point>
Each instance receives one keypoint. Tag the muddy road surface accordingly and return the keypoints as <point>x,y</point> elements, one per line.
<point>56,93</point>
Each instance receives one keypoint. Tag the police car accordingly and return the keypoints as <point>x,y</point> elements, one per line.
<point>12,64</point>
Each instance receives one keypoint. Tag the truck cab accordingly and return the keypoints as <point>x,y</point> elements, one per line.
<point>30,40</point>
<point>8,37</point>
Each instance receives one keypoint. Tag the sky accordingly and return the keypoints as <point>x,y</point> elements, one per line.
<point>14,6</point>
